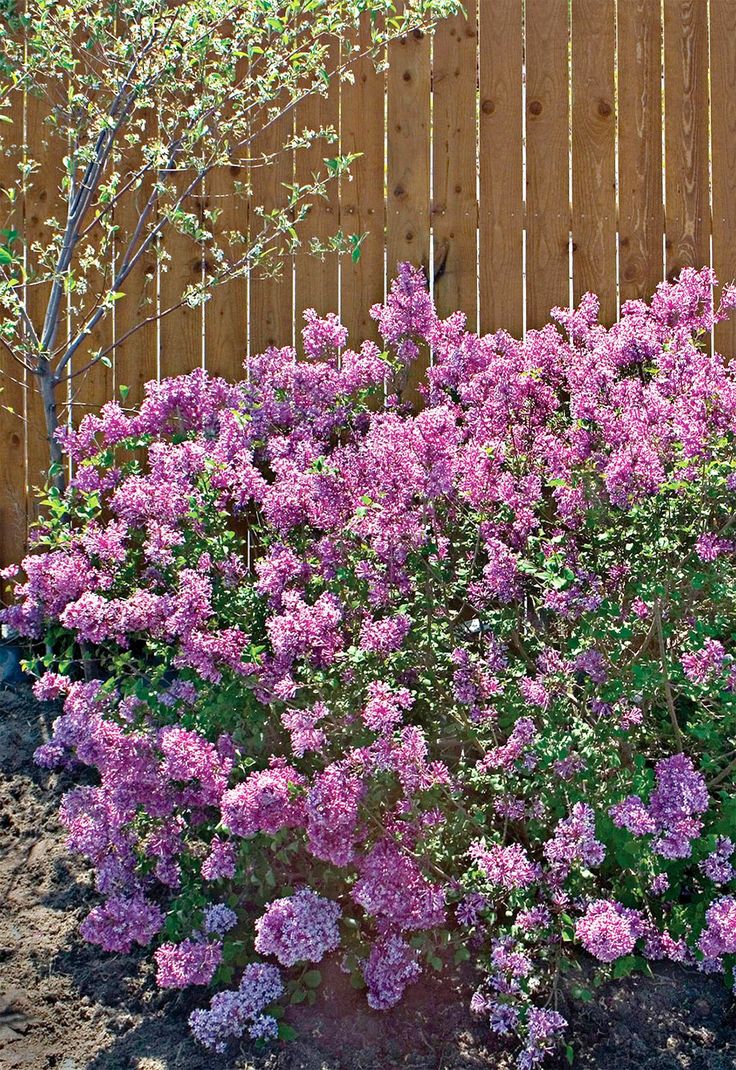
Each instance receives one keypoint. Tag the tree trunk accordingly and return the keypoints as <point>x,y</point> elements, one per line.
<point>47,390</point>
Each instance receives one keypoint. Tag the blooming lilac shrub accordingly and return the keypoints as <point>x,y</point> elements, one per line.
<point>406,686</point>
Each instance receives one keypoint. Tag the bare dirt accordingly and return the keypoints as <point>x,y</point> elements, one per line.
<point>65,1005</point>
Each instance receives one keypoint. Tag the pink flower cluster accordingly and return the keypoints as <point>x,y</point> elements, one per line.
<point>608,930</point>
<point>265,802</point>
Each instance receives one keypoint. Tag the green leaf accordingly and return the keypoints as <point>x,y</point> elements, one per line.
<point>625,966</point>
<point>312,978</point>
<point>286,1031</point>
<point>570,1053</point>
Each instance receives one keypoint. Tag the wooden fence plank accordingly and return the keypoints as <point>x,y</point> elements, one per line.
<point>594,153</point>
<point>12,398</point>
<point>180,331</point>
<point>723,140</point>
<point>362,198</point>
<point>226,312</point>
<point>501,208</point>
<point>408,134</point>
<point>686,134</point>
<point>641,212</point>
<point>43,201</point>
<point>271,296</point>
<point>454,194</point>
<point>316,278</point>
<point>136,353</point>
<point>548,199</point>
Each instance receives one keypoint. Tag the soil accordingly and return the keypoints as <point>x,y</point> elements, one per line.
<point>65,1005</point>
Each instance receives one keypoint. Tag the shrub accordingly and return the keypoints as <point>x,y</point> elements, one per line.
<point>430,684</point>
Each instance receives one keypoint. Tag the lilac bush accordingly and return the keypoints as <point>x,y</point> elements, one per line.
<point>410,687</point>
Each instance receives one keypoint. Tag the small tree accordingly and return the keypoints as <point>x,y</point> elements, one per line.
<point>148,97</point>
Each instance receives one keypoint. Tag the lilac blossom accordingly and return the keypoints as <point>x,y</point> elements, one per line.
<point>299,928</point>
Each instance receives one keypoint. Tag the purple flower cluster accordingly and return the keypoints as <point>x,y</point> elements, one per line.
<point>392,888</point>
<point>232,1013</point>
<point>680,795</point>
<point>574,840</point>
<point>506,867</point>
<point>121,922</point>
<point>332,815</point>
<point>412,657</point>
<point>719,936</point>
<point>218,919</point>
<point>385,707</point>
<point>266,802</point>
<point>608,930</point>
<point>717,867</point>
<point>391,966</point>
<point>191,962</point>
<point>300,928</point>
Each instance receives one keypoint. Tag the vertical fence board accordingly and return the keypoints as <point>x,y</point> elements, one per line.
<point>501,208</point>
<point>362,198</point>
<point>408,130</point>
<point>316,277</point>
<point>226,312</point>
<point>136,353</point>
<point>723,112</point>
<point>686,134</point>
<point>548,198</point>
<point>180,330</point>
<point>12,398</point>
<point>454,195</point>
<point>641,213</point>
<point>408,133</point>
<point>43,200</point>
<point>594,153</point>
<point>270,317</point>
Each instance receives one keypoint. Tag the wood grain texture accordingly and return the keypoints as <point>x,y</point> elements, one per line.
<point>408,132</point>
<point>180,331</point>
<point>594,153</point>
<point>641,212</point>
<point>226,312</point>
<point>686,134</point>
<point>454,194</point>
<point>501,208</point>
<point>548,200</point>
<point>227,203</point>
<point>43,201</point>
<point>362,198</point>
<point>136,353</point>
<point>270,319</point>
<point>12,382</point>
<point>316,278</point>
<point>408,163</point>
<point>723,140</point>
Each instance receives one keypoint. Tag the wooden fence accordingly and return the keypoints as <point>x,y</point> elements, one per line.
<point>539,149</point>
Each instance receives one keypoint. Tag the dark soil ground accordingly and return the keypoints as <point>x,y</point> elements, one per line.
<point>65,1005</point>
